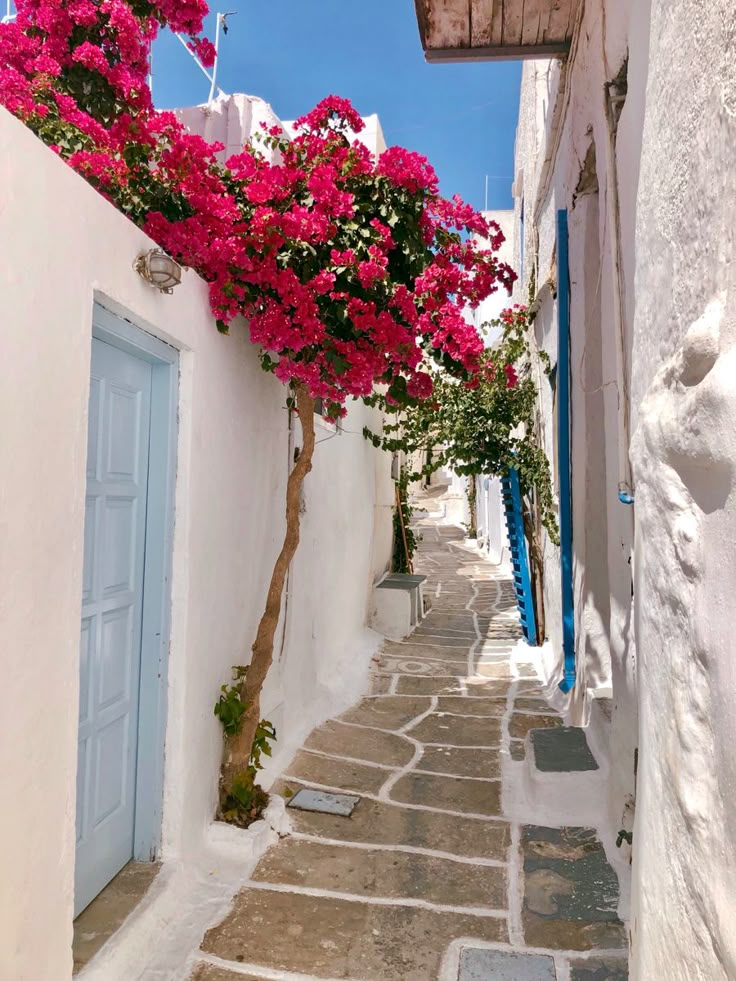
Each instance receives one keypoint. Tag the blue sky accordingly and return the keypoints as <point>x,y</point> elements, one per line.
<point>294,52</point>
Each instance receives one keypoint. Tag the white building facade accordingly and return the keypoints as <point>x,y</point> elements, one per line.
<point>631,137</point>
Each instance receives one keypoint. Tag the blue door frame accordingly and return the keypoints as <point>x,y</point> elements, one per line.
<point>164,361</point>
<point>563,451</point>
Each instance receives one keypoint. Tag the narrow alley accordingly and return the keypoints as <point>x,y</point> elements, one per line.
<point>430,877</point>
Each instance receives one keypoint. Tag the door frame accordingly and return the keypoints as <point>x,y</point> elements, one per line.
<point>113,329</point>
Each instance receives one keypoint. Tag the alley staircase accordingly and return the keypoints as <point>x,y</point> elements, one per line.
<point>433,875</point>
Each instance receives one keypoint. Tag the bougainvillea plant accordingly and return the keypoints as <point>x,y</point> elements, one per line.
<point>484,429</point>
<point>351,271</point>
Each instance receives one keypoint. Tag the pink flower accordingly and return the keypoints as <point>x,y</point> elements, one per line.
<point>92,57</point>
<point>420,385</point>
<point>287,235</point>
<point>204,50</point>
<point>332,110</point>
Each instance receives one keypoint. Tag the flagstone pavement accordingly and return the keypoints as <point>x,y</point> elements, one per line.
<point>428,879</point>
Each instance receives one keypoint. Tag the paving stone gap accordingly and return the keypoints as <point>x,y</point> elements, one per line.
<point>427,869</point>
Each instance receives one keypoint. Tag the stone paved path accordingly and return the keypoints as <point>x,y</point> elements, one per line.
<point>428,878</point>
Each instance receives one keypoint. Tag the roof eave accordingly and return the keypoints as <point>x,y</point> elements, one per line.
<point>558,49</point>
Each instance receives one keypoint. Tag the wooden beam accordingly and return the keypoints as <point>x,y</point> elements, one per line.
<point>561,18</point>
<point>481,23</point>
<point>500,52</point>
<point>532,17</point>
<point>513,20</point>
<point>447,22</point>
<point>420,7</point>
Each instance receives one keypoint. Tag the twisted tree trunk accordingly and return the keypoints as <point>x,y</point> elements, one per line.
<point>536,568</point>
<point>238,747</point>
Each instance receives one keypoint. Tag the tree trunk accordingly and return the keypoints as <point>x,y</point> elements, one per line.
<point>238,748</point>
<point>536,569</point>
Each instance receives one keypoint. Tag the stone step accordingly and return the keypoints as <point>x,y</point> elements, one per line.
<point>379,823</point>
<point>561,778</point>
<point>375,872</point>
<point>570,891</point>
<point>562,750</point>
<point>331,937</point>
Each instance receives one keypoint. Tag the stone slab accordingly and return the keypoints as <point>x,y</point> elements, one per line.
<point>443,640</point>
<point>563,750</point>
<point>453,731</point>
<point>450,794</point>
<point>307,799</point>
<point>386,712</point>
<point>211,972</point>
<point>390,874</point>
<point>325,937</point>
<point>521,724</point>
<point>428,651</point>
<point>451,621</point>
<point>107,912</point>
<point>447,685</point>
<point>408,577</point>
<point>477,685</point>
<point>362,744</point>
<point>421,667</point>
<point>340,774</point>
<point>493,669</point>
<point>478,964</point>
<point>610,969</point>
<point>530,703</point>
<point>530,688</point>
<point>478,706</point>
<point>379,823</point>
<point>460,762</point>
<point>517,750</point>
<point>570,891</point>
<point>380,684</point>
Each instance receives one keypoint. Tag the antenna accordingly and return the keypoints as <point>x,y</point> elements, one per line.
<point>221,22</point>
<point>9,14</point>
<point>486,207</point>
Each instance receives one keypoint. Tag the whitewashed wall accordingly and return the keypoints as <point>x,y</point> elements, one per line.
<point>561,163</point>
<point>64,247</point>
<point>667,639</point>
<point>684,455</point>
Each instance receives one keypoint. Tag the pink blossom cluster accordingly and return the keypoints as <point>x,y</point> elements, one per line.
<point>351,271</point>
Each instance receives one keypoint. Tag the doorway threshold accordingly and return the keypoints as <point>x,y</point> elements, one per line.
<point>107,912</point>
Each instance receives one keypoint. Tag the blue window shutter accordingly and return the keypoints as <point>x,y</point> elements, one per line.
<point>519,556</point>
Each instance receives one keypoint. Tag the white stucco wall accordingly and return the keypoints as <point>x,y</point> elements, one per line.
<point>70,247</point>
<point>562,127</point>
<point>663,643</point>
<point>684,455</point>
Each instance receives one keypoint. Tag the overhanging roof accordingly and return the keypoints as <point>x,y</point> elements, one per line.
<point>481,30</point>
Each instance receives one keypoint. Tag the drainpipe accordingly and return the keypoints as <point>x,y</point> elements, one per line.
<point>611,98</point>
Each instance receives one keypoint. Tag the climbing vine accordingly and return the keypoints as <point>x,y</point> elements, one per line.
<point>405,538</point>
<point>480,429</point>
<point>351,271</point>
<point>485,429</point>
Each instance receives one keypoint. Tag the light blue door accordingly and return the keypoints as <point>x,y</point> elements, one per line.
<point>112,605</point>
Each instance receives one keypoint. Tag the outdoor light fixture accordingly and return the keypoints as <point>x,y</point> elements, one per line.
<point>158,269</point>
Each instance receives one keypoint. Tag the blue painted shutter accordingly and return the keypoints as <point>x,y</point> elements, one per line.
<point>519,556</point>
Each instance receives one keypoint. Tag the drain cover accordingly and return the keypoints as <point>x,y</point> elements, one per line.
<point>325,803</point>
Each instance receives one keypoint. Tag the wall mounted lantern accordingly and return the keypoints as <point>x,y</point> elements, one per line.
<point>158,269</point>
